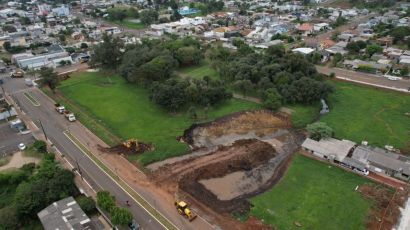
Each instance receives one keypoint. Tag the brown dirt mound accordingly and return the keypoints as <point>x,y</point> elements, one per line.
<point>129,147</point>
<point>261,122</point>
<point>243,155</point>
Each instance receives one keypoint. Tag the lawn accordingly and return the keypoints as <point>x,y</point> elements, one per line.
<point>199,71</point>
<point>362,113</point>
<point>126,111</point>
<point>303,115</point>
<point>316,195</point>
<point>129,24</point>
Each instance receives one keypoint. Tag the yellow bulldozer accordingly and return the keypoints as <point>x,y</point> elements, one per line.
<point>183,209</point>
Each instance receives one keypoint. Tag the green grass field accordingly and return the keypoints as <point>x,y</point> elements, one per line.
<point>362,113</point>
<point>316,195</point>
<point>129,24</point>
<point>199,71</point>
<point>125,110</point>
<point>303,115</point>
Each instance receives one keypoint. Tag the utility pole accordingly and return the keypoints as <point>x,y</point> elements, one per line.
<point>42,128</point>
<point>79,169</point>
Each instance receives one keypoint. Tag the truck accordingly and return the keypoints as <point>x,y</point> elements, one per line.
<point>60,108</point>
<point>69,115</point>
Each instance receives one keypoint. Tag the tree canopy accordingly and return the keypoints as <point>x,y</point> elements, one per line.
<point>107,53</point>
<point>319,130</point>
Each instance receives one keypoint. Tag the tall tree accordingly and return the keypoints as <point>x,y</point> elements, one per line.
<point>107,53</point>
<point>49,78</point>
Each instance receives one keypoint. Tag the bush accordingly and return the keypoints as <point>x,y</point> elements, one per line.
<point>121,216</point>
<point>40,146</point>
<point>105,201</point>
<point>319,130</point>
<point>87,204</point>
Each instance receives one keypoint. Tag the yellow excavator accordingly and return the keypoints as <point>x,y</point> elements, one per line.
<point>183,209</point>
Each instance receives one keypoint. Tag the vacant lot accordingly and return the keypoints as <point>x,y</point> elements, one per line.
<point>314,195</point>
<point>126,111</point>
<point>362,113</point>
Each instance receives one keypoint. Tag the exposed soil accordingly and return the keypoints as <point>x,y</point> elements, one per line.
<point>233,159</point>
<point>385,212</point>
<point>18,160</point>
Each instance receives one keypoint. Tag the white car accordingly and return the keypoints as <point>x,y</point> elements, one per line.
<point>22,146</point>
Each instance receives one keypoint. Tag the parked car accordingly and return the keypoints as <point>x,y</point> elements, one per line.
<point>22,146</point>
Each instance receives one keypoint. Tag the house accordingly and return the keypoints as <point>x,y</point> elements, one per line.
<point>61,11</point>
<point>65,214</point>
<point>305,29</point>
<point>360,157</point>
<point>52,57</point>
<point>357,64</point>
<point>321,27</point>
<point>383,161</point>
<point>338,48</point>
<point>329,148</point>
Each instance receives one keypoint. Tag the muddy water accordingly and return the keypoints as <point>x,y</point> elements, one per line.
<point>241,182</point>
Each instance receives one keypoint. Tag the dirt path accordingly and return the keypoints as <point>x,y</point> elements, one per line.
<point>18,160</point>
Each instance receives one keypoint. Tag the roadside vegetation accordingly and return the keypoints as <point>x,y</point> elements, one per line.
<point>314,195</point>
<point>29,189</point>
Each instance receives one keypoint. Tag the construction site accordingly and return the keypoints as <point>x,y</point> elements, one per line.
<point>232,159</point>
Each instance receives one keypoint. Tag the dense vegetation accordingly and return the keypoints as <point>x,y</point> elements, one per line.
<point>292,76</point>
<point>30,189</point>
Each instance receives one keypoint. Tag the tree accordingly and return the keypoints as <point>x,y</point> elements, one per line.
<point>84,45</point>
<point>40,146</point>
<point>116,14</point>
<point>271,99</point>
<point>399,33</point>
<point>244,86</point>
<point>107,53</point>
<point>25,21</point>
<point>120,216</point>
<point>149,16</point>
<point>9,28</point>
<point>87,204</point>
<point>192,113</point>
<point>319,130</point>
<point>372,49</point>
<point>50,78</point>
<point>105,200</point>
<point>8,218</point>
<point>189,55</point>
<point>170,94</point>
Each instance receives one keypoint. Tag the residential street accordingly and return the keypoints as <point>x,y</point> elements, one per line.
<point>54,125</point>
<point>368,79</point>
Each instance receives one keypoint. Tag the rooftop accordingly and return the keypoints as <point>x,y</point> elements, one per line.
<point>330,147</point>
<point>64,214</point>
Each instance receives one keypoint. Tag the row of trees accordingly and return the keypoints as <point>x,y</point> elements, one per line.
<point>287,77</point>
<point>175,93</point>
<point>119,216</point>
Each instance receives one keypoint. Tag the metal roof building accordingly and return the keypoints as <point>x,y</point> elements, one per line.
<point>64,214</point>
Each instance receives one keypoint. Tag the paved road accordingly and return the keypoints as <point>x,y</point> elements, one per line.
<point>9,139</point>
<point>371,79</point>
<point>54,125</point>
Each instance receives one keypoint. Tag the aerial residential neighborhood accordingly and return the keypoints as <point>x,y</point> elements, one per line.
<point>205,114</point>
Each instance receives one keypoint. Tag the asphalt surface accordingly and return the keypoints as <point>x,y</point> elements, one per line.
<point>371,79</point>
<point>10,138</point>
<point>54,125</point>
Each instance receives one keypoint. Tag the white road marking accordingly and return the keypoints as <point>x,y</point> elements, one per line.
<point>132,197</point>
